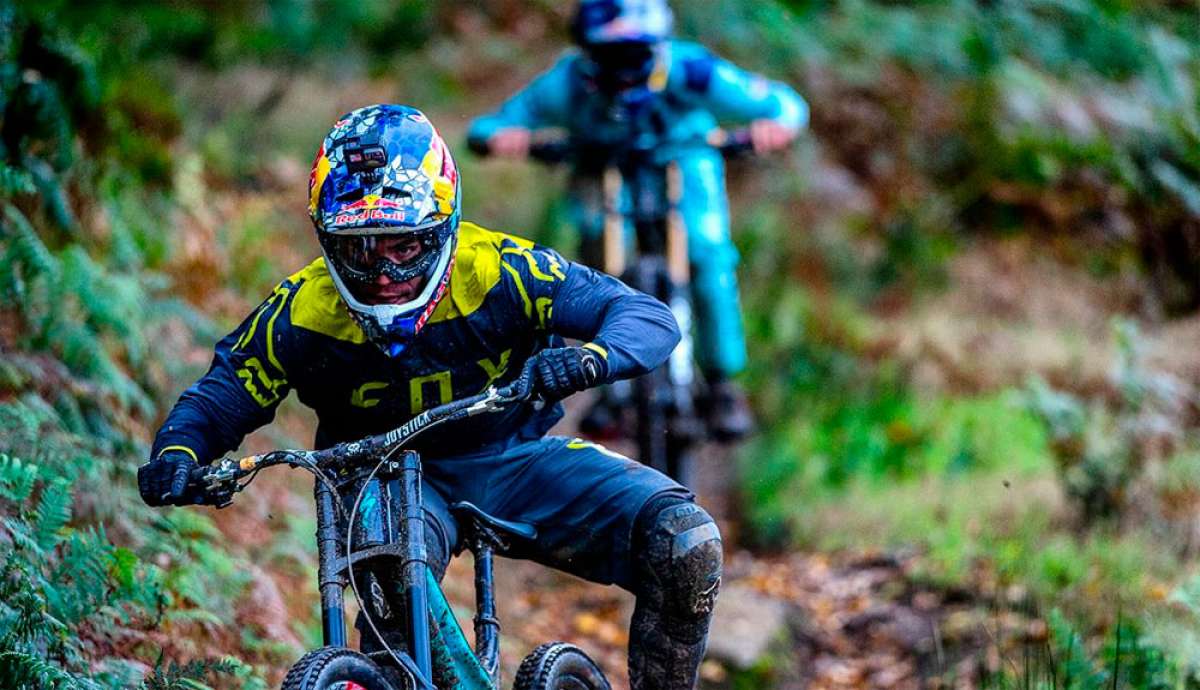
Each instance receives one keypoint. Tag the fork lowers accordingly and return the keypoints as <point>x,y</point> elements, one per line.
<point>333,624</point>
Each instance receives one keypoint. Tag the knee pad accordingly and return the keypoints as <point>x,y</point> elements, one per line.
<point>678,549</point>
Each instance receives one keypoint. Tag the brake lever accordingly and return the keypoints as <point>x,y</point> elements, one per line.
<point>218,481</point>
<point>519,390</point>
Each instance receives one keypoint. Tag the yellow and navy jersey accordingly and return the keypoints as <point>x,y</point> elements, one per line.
<point>508,298</point>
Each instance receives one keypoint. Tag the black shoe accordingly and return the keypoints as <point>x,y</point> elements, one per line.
<point>729,415</point>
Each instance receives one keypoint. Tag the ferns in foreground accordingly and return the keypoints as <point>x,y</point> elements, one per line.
<point>52,582</point>
<point>58,584</point>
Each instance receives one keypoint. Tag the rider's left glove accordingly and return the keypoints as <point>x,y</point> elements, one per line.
<point>561,371</point>
<point>164,480</point>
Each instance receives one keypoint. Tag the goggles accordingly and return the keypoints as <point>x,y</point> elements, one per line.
<point>621,65</point>
<point>401,256</point>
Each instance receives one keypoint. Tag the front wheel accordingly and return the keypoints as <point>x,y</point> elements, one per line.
<point>559,666</point>
<point>336,668</point>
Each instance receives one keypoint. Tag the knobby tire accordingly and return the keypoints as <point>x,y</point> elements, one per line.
<point>322,668</point>
<point>559,666</point>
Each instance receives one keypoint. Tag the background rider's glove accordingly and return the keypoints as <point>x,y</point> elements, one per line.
<point>561,371</point>
<point>164,480</point>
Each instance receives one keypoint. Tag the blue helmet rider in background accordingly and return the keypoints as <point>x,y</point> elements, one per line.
<point>627,62</point>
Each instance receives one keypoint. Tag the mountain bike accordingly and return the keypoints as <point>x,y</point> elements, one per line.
<point>371,538</point>
<point>642,191</point>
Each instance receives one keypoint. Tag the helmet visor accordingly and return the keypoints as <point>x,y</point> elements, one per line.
<point>363,258</point>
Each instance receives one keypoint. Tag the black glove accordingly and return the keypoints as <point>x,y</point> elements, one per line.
<point>164,480</point>
<point>561,371</point>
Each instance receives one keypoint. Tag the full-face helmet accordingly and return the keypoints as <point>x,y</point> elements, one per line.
<point>383,178</point>
<point>619,38</point>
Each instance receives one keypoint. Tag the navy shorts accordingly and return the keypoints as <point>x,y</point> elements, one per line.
<point>582,498</point>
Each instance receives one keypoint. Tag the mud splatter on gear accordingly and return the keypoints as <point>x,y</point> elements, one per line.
<point>677,547</point>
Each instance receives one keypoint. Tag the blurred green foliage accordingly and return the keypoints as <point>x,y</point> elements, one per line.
<point>1073,122</point>
<point>1067,661</point>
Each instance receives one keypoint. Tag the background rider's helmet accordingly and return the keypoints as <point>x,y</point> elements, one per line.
<point>619,38</point>
<point>383,171</point>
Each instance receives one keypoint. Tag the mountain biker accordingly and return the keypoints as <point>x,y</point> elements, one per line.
<point>408,308</point>
<point>630,78</point>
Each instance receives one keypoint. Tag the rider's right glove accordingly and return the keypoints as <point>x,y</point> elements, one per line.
<point>164,480</point>
<point>561,371</point>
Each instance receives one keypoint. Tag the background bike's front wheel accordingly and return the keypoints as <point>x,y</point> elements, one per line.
<point>559,666</point>
<point>336,668</point>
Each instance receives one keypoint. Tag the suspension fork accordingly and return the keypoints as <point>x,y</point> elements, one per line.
<point>678,297</point>
<point>614,223</point>
<point>329,573</point>
<point>677,245</point>
<point>415,566</point>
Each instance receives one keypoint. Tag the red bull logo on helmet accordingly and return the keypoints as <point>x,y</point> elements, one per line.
<point>371,202</point>
<point>371,207</point>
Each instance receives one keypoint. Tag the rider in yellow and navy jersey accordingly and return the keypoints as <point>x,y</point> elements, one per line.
<point>507,299</point>
<point>409,308</point>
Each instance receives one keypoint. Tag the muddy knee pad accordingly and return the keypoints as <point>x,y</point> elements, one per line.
<point>677,547</point>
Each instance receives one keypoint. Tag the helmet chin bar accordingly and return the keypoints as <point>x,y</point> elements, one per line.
<point>393,326</point>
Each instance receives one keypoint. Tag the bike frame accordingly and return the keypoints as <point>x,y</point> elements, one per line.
<point>386,542</point>
<point>388,546</point>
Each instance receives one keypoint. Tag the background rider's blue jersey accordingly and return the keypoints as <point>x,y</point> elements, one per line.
<point>507,299</point>
<point>690,91</point>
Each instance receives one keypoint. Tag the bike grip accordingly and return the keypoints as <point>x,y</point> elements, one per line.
<point>179,481</point>
<point>552,151</point>
<point>736,142</point>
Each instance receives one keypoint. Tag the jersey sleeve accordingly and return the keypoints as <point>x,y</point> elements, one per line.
<point>733,94</point>
<point>245,383</point>
<point>544,102</point>
<point>632,331</point>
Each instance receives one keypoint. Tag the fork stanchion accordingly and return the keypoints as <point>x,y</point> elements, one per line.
<point>415,563</point>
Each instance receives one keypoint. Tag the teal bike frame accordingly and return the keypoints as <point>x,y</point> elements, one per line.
<point>371,537</point>
<point>388,557</point>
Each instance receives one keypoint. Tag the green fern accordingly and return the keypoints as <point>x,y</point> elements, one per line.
<point>83,375</point>
<point>28,670</point>
<point>85,568</point>
<point>25,259</point>
<point>14,181</point>
<point>16,478</point>
<point>190,676</point>
<point>52,515</point>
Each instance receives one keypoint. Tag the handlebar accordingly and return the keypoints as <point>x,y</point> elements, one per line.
<point>731,143</point>
<point>219,481</point>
